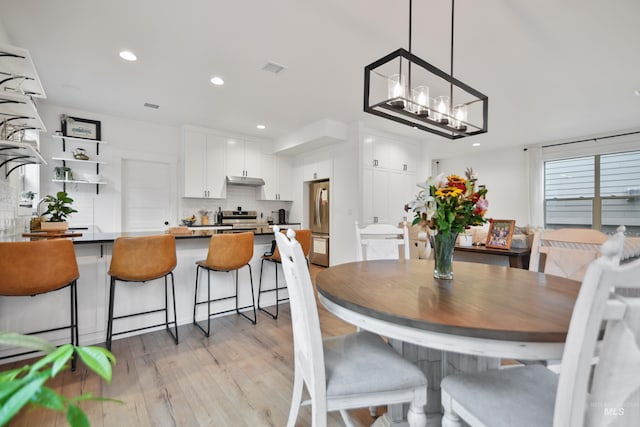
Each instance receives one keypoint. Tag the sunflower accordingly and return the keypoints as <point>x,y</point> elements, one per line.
<point>455,179</point>
<point>445,192</point>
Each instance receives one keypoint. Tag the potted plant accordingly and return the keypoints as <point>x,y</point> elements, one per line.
<point>58,209</point>
<point>63,173</point>
<point>25,386</point>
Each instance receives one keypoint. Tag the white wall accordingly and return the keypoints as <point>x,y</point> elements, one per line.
<point>126,139</point>
<point>505,173</point>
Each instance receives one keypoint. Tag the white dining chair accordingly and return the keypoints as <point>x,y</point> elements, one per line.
<point>536,396</point>
<point>382,241</point>
<point>565,252</point>
<point>346,372</point>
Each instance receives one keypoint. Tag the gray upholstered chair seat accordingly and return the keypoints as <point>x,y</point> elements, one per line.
<point>362,362</point>
<point>523,396</point>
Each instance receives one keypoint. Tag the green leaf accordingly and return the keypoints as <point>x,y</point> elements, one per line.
<point>77,417</point>
<point>59,357</point>
<point>26,341</point>
<point>20,398</point>
<point>49,399</point>
<point>97,359</point>
<point>8,388</point>
<point>65,354</point>
<point>11,375</point>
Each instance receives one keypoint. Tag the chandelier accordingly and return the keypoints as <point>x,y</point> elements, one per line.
<point>408,90</point>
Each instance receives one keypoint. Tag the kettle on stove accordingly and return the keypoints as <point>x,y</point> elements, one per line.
<point>282,216</point>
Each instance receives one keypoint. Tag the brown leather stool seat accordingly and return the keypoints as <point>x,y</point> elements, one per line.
<point>227,252</point>
<point>304,238</point>
<point>38,267</point>
<point>141,259</point>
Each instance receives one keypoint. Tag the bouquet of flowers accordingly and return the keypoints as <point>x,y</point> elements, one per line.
<point>450,204</point>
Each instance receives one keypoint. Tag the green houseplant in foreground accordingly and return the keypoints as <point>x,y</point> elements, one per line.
<point>26,385</point>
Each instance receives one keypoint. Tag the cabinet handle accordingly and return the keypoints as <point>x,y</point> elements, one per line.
<point>375,163</point>
<point>315,175</point>
<point>404,167</point>
<point>375,219</point>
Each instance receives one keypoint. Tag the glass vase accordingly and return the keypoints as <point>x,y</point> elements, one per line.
<point>444,243</point>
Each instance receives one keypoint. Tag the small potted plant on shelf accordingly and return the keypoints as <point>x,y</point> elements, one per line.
<point>58,209</point>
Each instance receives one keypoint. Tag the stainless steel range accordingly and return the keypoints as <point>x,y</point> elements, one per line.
<point>241,221</point>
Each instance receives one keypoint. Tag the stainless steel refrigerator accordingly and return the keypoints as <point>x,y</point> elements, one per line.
<point>319,222</point>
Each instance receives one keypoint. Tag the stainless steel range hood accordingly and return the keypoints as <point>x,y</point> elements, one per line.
<point>245,180</point>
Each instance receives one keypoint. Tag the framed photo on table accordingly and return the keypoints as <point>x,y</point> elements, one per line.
<point>80,128</point>
<point>500,233</point>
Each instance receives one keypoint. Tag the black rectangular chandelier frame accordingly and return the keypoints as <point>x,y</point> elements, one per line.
<point>409,118</point>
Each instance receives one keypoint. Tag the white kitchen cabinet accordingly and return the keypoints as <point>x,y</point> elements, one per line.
<point>316,169</point>
<point>384,194</point>
<point>203,165</point>
<point>391,154</point>
<point>277,173</point>
<point>244,158</point>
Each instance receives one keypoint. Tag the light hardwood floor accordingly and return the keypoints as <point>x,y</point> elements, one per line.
<point>240,376</point>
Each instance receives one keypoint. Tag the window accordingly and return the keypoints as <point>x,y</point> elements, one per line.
<point>600,191</point>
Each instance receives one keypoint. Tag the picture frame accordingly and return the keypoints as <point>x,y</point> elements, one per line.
<point>500,234</point>
<point>77,127</point>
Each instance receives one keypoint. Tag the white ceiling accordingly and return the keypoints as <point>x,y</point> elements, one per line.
<point>553,69</point>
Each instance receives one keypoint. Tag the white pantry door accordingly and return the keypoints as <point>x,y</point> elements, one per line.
<point>147,195</point>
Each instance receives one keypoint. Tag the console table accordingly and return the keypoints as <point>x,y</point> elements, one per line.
<point>518,257</point>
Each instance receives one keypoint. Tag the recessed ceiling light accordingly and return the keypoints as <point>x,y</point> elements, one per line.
<point>476,144</point>
<point>128,55</point>
<point>261,126</point>
<point>217,81</point>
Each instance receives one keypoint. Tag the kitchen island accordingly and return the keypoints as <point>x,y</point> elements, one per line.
<point>93,252</point>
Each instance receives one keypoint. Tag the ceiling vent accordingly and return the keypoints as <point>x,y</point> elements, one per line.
<point>150,105</point>
<point>273,67</point>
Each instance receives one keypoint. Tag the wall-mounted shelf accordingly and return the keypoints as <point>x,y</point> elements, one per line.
<point>17,72</point>
<point>19,83</point>
<point>80,140</point>
<point>78,181</point>
<point>64,183</point>
<point>64,160</point>
<point>22,153</point>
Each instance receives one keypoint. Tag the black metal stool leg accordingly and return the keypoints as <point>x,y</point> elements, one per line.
<point>253,303</point>
<point>166,308</point>
<point>112,290</point>
<point>73,306</point>
<point>206,332</point>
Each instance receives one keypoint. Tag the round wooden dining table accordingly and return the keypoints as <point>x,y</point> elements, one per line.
<point>486,310</point>
<point>468,324</point>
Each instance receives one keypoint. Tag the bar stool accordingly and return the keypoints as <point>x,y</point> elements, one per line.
<point>38,267</point>
<point>141,259</point>
<point>304,238</point>
<point>227,252</point>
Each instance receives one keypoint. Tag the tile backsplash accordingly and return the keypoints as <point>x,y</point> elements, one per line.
<point>237,195</point>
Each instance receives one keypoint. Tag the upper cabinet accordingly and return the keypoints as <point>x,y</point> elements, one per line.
<point>19,119</point>
<point>244,158</point>
<point>315,169</point>
<point>277,173</point>
<point>388,179</point>
<point>389,154</point>
<point>203,164</point>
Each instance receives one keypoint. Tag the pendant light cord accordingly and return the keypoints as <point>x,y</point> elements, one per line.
<point>451,84</point>
<point>410,8</point>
